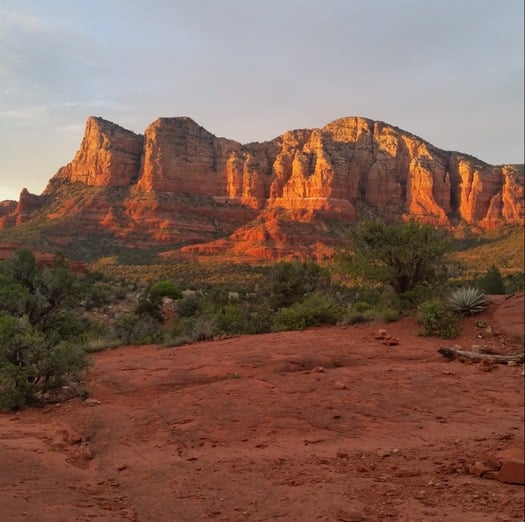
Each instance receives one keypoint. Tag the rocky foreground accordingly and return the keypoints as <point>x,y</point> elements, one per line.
<point>333,424</point>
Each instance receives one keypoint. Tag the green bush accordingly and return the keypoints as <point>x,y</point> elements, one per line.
<point>514,282</point>
<point>188,306</point>
<point>30,363</point>
<point>492,282</point>
<point>186,330</point>
<point>203,329</point>
<point>260,319</point>
<point>40,334</point>
<point>351,316</point>
<point>63,364</point>
<point>361,306</point>
<point>390,315</point>
<point>162,289</point>
<point>438,320</point>
<point>135,329</point>
<point>100,344</point>
<point>96,296</point>
<point>290,282</point>
<point>232,319</point>
<point>314,310</point>
<point>16,386</point>
<point>467,301</point>
<point>417,295</point>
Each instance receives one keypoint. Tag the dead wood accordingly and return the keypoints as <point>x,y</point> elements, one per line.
<point>454,353</point>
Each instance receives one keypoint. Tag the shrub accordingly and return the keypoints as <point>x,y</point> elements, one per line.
<point>135,329</point>
<point>150,302</point>
<point>188,306</point>
<point>438,320</point>
<point>30,363</point>
<point>515,282</point>
<point>63,363</point>
<point>203,329</point>
<point>39,334</point>
<point>351,316</point>
<point>97,296</point>
<point>314,310</point>
<point>290,282</point>
<point>361,306</point>
<point>100,344</point>
<point>162,289</point>
<point>417,295</point>
<point>186,330</point>
<point>492,282</point>
<point>260,320</point>
<point>232,319</point>
<point>390,315</point>
<point>467,301</point>
<point>16,388</point>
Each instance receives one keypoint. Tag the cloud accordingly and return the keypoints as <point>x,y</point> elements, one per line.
<point>451,72</point>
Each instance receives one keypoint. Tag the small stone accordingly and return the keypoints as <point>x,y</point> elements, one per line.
<point>512,466</point>
<point>59,439</point>
<point>408,473</point>
<point>122,467</point>
<point>381,334</point>
<point>479,348</point>
<point>319,369</point>
<point>338,385</point>
<point>92,402</point>
<point>384,453</point>
<point>391,341</point>
<point>352,515</point>
<point>85,453</point>
<point>477,468</point>
<point>487,366</point>
<point>481,324</point>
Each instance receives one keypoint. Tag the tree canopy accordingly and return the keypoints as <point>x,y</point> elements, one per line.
<point>39,334</point>
<point>404,255</point>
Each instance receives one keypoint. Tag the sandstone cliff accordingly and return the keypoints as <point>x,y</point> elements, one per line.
<point>179,184</point>
<point>108,156</point>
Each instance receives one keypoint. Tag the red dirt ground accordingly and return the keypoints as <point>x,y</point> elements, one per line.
<point>329,424</point>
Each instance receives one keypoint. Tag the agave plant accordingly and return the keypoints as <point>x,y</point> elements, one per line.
<point>467,301</point>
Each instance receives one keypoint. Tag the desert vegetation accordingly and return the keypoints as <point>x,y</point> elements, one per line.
<point>52,318</point>
<point>39,330</point>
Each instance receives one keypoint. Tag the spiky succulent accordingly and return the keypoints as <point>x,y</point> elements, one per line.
<point>467,301</point>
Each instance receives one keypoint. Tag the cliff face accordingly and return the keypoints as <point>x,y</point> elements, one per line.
<point>108,156</point>
<point>181,184</point>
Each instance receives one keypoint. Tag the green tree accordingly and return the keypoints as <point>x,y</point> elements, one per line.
<point>39,347</point>
<point>405,255</point>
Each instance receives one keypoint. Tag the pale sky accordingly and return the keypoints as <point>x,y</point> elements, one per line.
<point>449,71</point>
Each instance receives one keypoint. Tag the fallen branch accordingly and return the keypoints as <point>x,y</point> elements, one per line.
<point>453,353</point>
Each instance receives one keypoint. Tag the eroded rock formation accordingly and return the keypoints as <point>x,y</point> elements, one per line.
<point>109,156</point>
<point>181,184</point>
